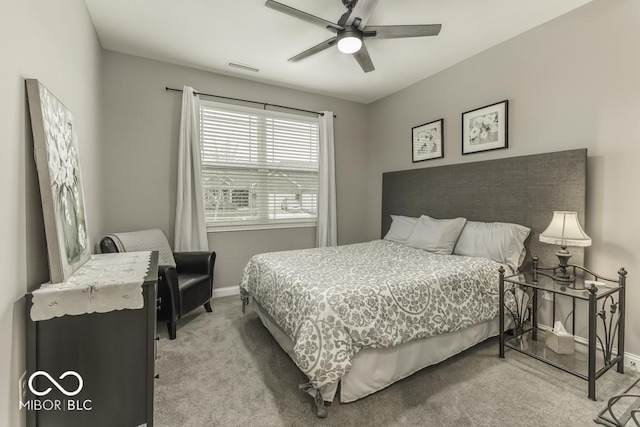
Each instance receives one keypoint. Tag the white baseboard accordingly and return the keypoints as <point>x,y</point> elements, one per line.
<point>226,291</point>
<point>631,361</point>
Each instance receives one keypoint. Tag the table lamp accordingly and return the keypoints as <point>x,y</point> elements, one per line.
<point>564,230</point>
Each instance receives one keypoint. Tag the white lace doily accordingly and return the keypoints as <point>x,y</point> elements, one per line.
<point>106,282</point>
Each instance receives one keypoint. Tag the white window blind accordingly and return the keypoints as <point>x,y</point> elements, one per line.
<point>259,168</point>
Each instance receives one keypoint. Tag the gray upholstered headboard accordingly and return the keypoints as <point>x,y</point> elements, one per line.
<point>523,190</point>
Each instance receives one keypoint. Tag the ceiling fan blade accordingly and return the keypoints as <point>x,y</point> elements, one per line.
<point>362,10</point>
<point>288,10</point>
<point>363,58</point>
<point>317,48</point>
<point>401,31</point>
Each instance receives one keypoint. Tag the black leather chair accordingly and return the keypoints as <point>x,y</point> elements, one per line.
<point>182,288</point>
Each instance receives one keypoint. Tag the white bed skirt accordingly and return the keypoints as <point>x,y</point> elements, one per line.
<point>376,368</point>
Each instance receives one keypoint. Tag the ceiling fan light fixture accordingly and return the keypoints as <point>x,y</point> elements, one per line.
<point>352,28</point>
<point>349,41</point>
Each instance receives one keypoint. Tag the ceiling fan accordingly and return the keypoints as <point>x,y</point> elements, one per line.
<point>351,30</point>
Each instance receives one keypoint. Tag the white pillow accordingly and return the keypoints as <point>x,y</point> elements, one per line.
<point>436,235</point>
<point>401,228</point>
<point>499,241</point>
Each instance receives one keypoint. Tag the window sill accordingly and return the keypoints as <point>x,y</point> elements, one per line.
<point>253,227</point>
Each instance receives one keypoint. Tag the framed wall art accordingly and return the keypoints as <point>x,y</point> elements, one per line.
<point>427,141</point>
<point>55,147</point>
<point>486,128</point>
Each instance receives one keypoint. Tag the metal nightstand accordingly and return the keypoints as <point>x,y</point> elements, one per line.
<point>606,301</point>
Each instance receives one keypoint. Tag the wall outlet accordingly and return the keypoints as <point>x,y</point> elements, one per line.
<point>22,387</point>
<point>632,364</point>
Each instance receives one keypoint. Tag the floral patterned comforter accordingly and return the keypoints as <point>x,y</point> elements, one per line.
<point>333,302</point>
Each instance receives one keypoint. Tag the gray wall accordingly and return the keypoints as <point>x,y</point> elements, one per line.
<point>571,83</point>
<point>54,42</point>
<point>141,122</point>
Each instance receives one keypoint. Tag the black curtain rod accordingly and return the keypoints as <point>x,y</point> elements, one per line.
<point>246,100</point>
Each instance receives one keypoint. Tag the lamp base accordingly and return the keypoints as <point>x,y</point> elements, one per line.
<point>569,281</point>
<point>563,259</point>
<point>563,277</point>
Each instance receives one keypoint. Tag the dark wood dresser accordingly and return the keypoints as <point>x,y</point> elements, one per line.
<point>113,352</point>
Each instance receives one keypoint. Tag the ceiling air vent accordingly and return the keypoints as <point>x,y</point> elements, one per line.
<point>243,67</point>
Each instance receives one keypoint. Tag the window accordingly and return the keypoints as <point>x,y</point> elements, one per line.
<point>259,168</point>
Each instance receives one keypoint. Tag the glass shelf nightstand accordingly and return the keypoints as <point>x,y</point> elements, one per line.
<point>605,300</point>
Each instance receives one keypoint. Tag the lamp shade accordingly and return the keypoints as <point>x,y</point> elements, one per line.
<point>565,230</point>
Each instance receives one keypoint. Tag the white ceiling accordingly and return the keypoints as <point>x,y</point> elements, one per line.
<point>207,34</point>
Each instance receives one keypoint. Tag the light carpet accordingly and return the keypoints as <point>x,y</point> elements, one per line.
<point>225,369</point>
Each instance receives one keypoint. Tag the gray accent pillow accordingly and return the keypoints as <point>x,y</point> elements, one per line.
<point>500,241</point>
<point>436,235</point>
<point>401,228</point>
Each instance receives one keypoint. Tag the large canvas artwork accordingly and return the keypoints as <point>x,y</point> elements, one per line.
<point>58,164</point>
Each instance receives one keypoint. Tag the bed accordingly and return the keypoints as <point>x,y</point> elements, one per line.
<point>363,316</point>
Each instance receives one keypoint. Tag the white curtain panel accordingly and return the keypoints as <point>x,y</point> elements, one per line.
<point>327,230</point>
<point>190,229</point>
